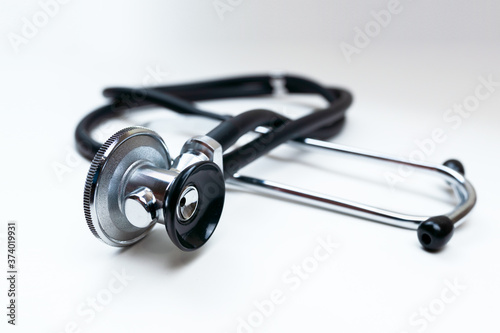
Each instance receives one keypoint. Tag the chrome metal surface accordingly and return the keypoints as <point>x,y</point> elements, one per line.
<point>158,180</point>
<point>104,193</point>
<point>278,83</point>
<point>129,181</point>
<point>188,203</point>
<point>140,207</point>
<point>462,188</point>
<point>199,149</point>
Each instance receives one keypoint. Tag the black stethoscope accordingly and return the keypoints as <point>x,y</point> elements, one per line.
<point>133,183</point>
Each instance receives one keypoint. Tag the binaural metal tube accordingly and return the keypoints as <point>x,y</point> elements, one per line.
<point>462,188</point>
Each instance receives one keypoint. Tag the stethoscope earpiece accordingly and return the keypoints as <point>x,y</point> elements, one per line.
<point>455,165</point>
<point>435,232</point>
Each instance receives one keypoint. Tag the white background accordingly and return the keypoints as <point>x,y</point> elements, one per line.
<point>429,57</point>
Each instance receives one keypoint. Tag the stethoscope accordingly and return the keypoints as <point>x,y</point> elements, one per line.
<point>133,183</point>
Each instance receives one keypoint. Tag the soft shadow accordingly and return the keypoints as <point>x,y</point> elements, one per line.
<point>433,252</point>
<point>158,249</point>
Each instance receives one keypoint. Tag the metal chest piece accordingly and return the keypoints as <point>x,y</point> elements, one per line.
<point>133,184</point>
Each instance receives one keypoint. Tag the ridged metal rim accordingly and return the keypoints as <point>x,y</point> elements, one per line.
<point>92,180</point>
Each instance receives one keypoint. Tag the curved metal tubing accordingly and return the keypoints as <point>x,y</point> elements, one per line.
<point>462,189</point>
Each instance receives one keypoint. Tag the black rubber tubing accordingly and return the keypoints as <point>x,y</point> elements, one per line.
<point>321,124</point>
<point>300,128</point>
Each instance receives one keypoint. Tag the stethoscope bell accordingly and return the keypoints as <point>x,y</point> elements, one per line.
<point>194,205</point>
<point>133,184</point>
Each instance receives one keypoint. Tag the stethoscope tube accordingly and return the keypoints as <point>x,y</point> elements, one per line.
<point>311,125</point>
<point>231,128</point>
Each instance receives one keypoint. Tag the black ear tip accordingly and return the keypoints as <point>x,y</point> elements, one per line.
<point>455,165</point>
<point>435,232</point>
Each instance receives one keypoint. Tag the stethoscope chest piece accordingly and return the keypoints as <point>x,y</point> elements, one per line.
<point>104,188</point>
<point>133,184</point>
<point>194,205</point>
